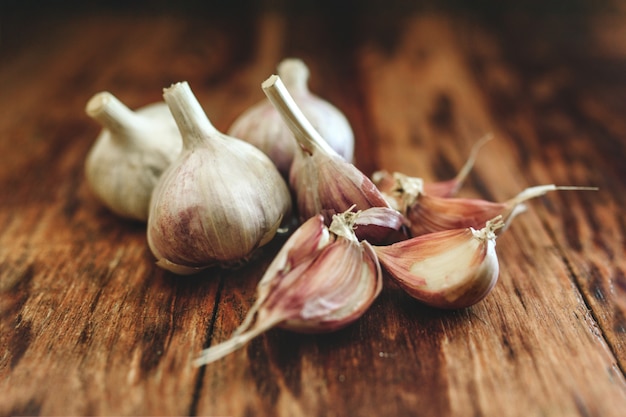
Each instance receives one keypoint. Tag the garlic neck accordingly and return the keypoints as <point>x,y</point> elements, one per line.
<point>112,114</point>
<point>193,123</point>
<point>489,231</point>
<point>295,75</point>
<point>408,189</point>
<point>305,133</point>
<point>343,224</point>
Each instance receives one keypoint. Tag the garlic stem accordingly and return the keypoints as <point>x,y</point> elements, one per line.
<point>237,341</point>
<point>467,167</point>
<point>488,232</point>
<point>112,114</point>
<point>539,190</point>
<point>515,204</point>
<point>191,119</point>
<point>343,224</point>
<point>305,133</point>
<point>295,75</point>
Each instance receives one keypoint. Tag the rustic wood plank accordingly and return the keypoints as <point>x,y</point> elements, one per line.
<point>534,278</point>
<point>576,132</point>
<point>88,324</point>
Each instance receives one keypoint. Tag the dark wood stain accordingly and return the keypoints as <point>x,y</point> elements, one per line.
<point>154,341</point>
<point>444,168</point>
<point>442,115</point>
<point>596,283</point>
<point>570,226</point>
<point>20,340</point>
<point>29,408</point>
<point>262,373</point>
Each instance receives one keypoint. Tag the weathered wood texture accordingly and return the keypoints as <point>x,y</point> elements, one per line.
<point>90,326</point>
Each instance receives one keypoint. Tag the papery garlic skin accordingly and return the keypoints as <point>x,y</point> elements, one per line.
<point>449,269</point>
<point>262,126</point>
<point>382,225</point>
<point>327,289</point>
<point>130,153</point>
<point>218,202</point>
<point>329,185</point>
<point>351,287</point>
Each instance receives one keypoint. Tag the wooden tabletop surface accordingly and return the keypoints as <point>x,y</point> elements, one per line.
<point>89,325</point>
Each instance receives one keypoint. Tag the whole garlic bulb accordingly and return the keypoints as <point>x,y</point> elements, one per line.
<point>262,126</point>
<point>130,153</point>
<point>219,201</point>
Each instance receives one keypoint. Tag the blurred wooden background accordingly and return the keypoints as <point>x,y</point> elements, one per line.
<point>89,325</point>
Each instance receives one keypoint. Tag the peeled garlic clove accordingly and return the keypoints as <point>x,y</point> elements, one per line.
<point>322,291</point>
<point>322,180</point>
<point>448,269</point>
<point>130,153</point>
<point>219,201</point>
<point>262,126</point>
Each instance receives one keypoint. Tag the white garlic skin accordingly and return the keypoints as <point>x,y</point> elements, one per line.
<point>262,125</point>
<point>219,201</point>
<point>130,153</point>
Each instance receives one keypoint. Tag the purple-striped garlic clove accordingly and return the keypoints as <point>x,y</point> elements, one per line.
<point>323,182</point>
<point>449,269</point>
<point>323,291</point>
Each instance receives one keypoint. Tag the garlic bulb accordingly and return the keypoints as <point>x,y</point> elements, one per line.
<point>386,182</point>
<point>130,153</point>
<point>448,269</point>
<point>219,201</point>
<point>321,280</point>
<point>323,182</point>
<point>427,213</point>
<point>262,126</point>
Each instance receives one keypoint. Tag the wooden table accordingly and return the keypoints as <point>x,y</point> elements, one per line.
<point>90,326</point>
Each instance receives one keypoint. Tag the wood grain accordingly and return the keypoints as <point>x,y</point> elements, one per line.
<point>90,326</point>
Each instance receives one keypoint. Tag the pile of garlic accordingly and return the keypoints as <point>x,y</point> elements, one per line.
<point>214,199</point>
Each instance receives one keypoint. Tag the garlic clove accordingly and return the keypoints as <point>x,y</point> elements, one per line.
<point>218,202</point>
<point>262,126</point>
<point>322,180</point>
<point>323,290</point>
<point>448,269</point>
<point>387,184</point>
<point>329,185</point>
<point>382,225</point>
<point>308,238</point>
<point>129,154</point>
<point>426,213</point>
